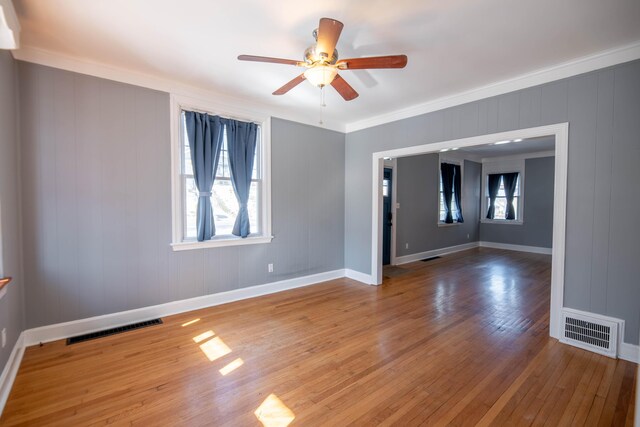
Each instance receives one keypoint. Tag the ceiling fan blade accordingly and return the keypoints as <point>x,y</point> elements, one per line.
<point>392,61</point>
<point>268,59</point>
<point>290,85</point>
<point>344,88</point>
<point>328,33</point>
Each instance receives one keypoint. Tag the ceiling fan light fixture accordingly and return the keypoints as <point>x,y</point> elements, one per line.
<point>321,75</point>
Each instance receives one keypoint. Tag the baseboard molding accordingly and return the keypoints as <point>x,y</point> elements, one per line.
<point>10,371</point>
<point>520,248</point>
<point>629,352</point>
<point>360,277</point>
<point>83,326</point>
<point>435,252</point>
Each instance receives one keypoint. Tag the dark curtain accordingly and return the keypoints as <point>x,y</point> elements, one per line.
<point>205,135</point>
<point>241,142</point>
<point>457,190</point>
<point>493,187</point>
<point>447,173</point>
<point>510,180</point>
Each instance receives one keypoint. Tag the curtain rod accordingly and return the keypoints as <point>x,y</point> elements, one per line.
<point>196,110</point>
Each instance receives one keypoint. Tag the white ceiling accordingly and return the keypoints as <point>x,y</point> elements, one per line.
<point>453,46</point>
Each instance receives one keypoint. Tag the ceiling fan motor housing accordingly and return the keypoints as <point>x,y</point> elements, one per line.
<point>312,56</point>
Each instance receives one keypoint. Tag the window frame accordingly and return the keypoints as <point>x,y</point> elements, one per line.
<point>459,162</point>
<point>498,167</point>
<point>263,151</point>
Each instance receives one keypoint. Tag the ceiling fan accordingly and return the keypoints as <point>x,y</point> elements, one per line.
<point>322,64</point>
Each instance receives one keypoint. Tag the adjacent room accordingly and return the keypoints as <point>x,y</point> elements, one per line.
<point>342,213</point>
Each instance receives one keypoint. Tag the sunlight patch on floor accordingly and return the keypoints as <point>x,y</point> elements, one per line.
<point>203,336</point>
<point>190,322</point>
<point>232,366</point>
<point>215,348</point>
<point>273,413</point>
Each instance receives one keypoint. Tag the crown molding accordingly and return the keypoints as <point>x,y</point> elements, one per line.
<point>571,68</point>
<point>82,66</point>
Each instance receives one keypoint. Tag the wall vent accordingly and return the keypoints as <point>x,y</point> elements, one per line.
<point>112,331</point>
<point>595,333</point>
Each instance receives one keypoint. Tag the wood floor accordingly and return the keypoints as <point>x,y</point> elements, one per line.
<point>461,340</point>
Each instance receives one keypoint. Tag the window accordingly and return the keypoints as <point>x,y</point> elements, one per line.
<point>500,210</point>
<point>223,196</point>
<point>454,208</point>
<point>453,171</point>
<point>498,176</point>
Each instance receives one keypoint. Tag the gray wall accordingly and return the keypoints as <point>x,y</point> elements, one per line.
<point>12,304</point>
<point>418,179</point>
<point>537,228</point>
<point>602,109</point>
<point>97,203</point>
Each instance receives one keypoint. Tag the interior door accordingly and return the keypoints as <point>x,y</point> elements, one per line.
<point>387,215</point>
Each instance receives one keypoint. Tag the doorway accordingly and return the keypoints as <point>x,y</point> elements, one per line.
<point>559,131</point>
<point>387,215</point>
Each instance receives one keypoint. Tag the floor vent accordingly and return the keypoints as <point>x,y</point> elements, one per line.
<point>430,258</point>
<point>597,334</point>
<point>113,331</point>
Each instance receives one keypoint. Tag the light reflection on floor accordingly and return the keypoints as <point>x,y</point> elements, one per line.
<point>273,413</point>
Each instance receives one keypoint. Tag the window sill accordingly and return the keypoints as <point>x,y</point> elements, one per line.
<point>221,242</point>
<point>444,224</point>
<point>501,221</point>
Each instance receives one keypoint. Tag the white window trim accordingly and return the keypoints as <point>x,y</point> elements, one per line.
<point>460,162</point>
<point>180,103</point>
<point>502,166</point>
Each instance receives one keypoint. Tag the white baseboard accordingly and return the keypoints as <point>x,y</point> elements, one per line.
<point>360,277</point>
<point>520,248</point>
<point>436,252</point>
<point>630,352</point>
<point>97,323</point>
<point>11,370</point>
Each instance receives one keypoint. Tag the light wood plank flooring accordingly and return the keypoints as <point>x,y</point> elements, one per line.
<point>461,340</point>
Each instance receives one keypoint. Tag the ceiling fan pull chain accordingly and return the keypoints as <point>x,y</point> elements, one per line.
<point>322,105</point>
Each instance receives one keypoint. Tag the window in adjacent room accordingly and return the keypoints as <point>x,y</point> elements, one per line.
<point>225,194</point>
<point>501,208</point>
<point>450,193</point>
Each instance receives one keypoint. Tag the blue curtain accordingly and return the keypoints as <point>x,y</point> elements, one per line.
<point>205,134</point>
<point>493,185</point>
<point>447,172</point>
<point>457,191</point>
<point>510,180</point>
<point>241,143</point>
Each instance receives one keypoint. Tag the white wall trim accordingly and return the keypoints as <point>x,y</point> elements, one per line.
<point>435,252</point>
<point>577,66</point>
<point>560,132</point>
<point>97,323</point>
<point>358,276</point>
<point>519,248</point>
<point>574,67</point>
<point>629,352</point>
<point>11,370</point>
<point>105,71</point>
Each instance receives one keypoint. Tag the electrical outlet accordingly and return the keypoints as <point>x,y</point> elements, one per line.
<point>397,205</point>
<point>467,236</point>
<point>4,337</point>
<point>270,268</point>
<point>406,246</point>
